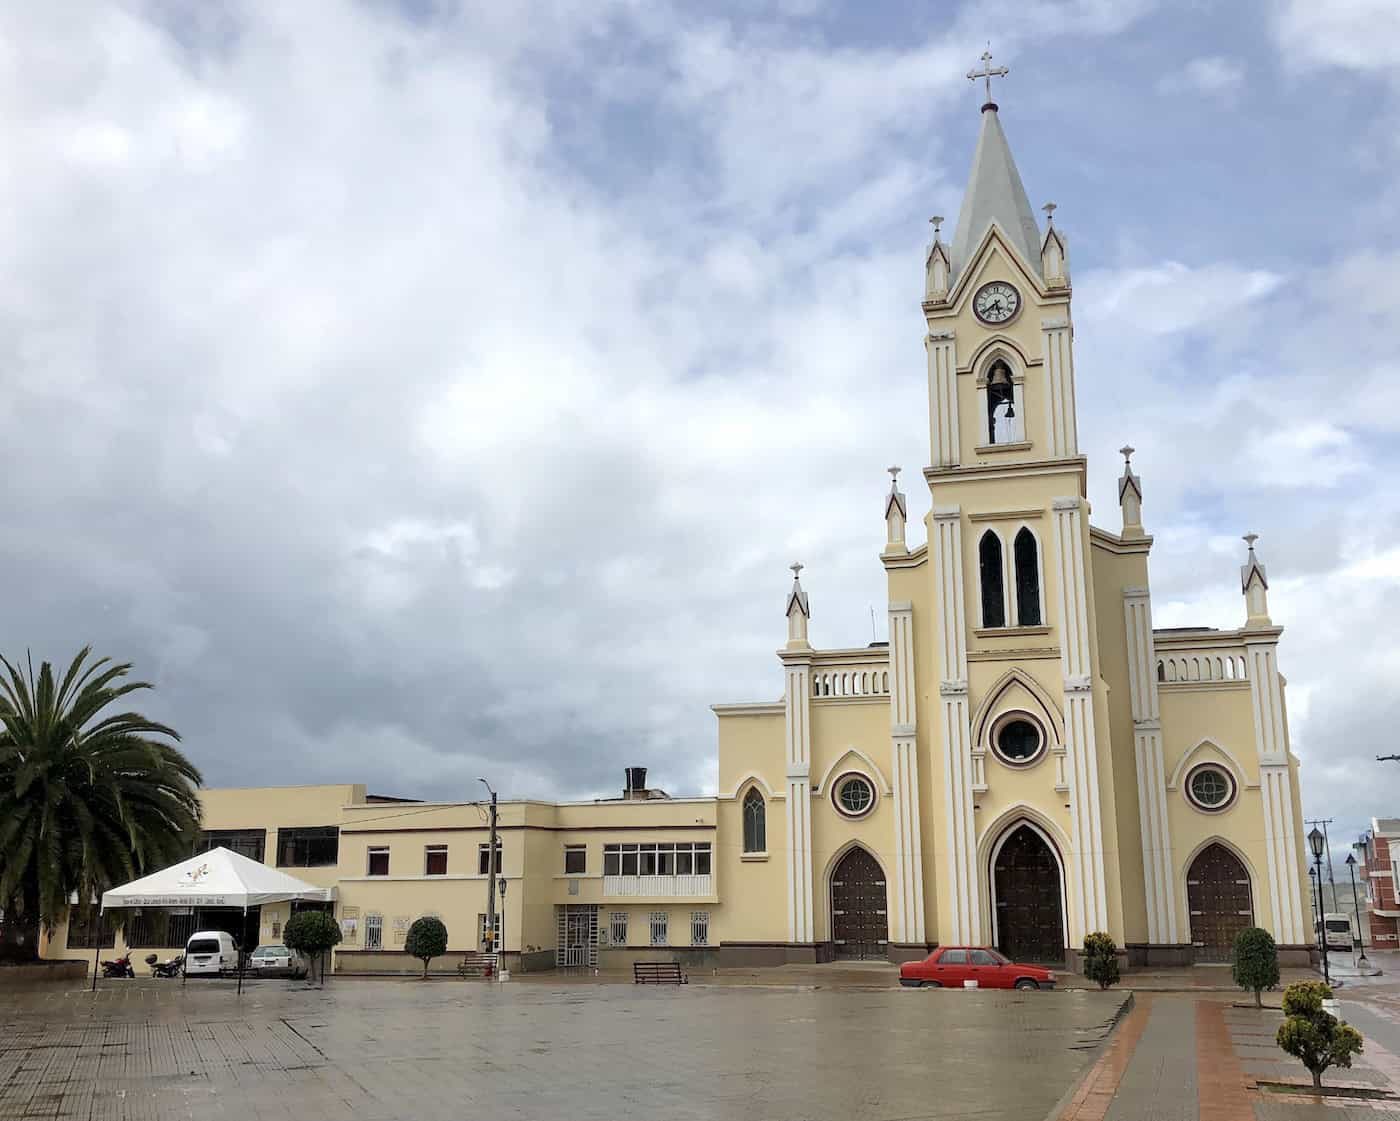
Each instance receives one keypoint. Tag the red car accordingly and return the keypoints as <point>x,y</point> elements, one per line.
<point>948,967</point>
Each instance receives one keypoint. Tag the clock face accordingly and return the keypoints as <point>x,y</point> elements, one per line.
<point>996,302</point>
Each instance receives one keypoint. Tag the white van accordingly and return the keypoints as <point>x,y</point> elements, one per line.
<point>210,951</point>
<point>1337,927</point>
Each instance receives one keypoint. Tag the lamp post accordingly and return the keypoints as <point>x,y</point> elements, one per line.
<point>488,936</point>
<point>1360,937</point>
<point>1317,843</point>
<point>501,888</point>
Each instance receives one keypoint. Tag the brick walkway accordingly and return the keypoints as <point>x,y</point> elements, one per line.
<point>1201,1058</point>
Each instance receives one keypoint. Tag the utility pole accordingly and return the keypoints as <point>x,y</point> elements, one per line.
<point>489,935</point>
<point>1325,822</point>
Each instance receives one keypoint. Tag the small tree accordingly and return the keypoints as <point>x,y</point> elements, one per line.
<point>313,933</point>
<point>1313,1034</point>
<point>1100,959</point>
<point>427,939</point>
<point>1255,966</point>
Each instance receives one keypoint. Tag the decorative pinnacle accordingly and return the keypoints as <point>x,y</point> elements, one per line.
<point>1126,451</point>
<point>1049,209</point>
<point>988,72</point>
<point>1250,539</point>
<point>796,569</point>
<point>894,474</point>
<point>936,221</point>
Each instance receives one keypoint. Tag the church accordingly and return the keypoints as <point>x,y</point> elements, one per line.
<point>1027,760</point>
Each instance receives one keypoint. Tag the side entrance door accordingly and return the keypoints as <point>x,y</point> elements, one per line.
<point>859,920</point>
<point>1217,893</point>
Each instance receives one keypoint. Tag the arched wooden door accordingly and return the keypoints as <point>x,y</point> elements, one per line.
<point>1220,901</point>
<point>1029,904</point>
<point>859,913</point>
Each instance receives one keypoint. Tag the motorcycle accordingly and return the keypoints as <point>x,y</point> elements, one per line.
<point>121,967</point>
<point>169,968</point>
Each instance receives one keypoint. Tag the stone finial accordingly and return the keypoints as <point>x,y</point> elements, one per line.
<point>1049,209</point>
<point>798,610</point>
<point>896,514</point>
<point>1254,583</point>
<point>1130,495</point>
<point>936,221</point>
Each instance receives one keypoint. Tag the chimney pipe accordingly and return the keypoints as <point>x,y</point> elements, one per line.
<point>636,781</point>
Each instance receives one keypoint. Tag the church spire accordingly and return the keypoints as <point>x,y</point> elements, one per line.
<point>1130,495</point>
<point>797,612</point>
<point>994,189</point>
<point>1254,582</point>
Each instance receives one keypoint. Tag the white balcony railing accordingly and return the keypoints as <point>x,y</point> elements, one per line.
<point>1178,666</point>
<point>869,680</point>
<point>677,887</point>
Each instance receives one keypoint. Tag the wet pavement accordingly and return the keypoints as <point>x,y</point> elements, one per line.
<point>533,1052</point>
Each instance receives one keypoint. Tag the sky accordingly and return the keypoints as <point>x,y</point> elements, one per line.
<point>422,391</point>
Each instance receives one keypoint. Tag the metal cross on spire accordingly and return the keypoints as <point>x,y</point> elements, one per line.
<point>988,72</point>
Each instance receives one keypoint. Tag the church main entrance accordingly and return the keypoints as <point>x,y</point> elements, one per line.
<point>1217,893</point>
<point>859,918</point>
<point>1029,907</point>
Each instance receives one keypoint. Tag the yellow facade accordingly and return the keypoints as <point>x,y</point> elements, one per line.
<point>1025,761</point>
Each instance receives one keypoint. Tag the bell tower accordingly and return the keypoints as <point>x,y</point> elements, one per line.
<point>1009,543</point>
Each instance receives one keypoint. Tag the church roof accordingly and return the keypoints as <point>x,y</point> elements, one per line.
<point>995,194</point>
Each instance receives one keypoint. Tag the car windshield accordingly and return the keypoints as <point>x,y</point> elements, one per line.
<point>1002,959</point>
<point>1338,924</point>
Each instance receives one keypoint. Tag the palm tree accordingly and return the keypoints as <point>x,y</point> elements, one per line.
<point>87,801</point>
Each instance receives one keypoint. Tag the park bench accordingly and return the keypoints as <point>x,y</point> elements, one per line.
<point>657,973</point>
<point>477,965</point>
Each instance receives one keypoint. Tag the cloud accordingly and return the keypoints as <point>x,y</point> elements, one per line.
<point>1211,74</point>
<point>1361,35</point>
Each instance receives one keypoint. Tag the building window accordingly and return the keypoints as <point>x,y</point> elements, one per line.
<point>378,860</point>
<point>617,928</point>
<point>989,572</point>
<point>699,928</point>
<point>316,847</point>
<point>1210,787</point>
<point>1017,739</point>
<point>483,867</point>
<point>854,795</point>
<point>659,920</point>
<point>575,860</point>
<point>481,930</point>
<point>251,843</point>
<point>374,932</point>
<point>434,860</point>
<point>1027,579</point>
<point>661,858</point>
<point>88,930</point>
<point>755,823</point>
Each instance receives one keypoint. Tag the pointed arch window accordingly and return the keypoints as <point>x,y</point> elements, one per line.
<point>989,571</point>
<point>755,822</point>
<point>1027,557</point>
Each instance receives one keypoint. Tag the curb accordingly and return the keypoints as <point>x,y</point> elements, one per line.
<point>1097,1054</point>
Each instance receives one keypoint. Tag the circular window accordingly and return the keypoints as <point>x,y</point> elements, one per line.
<point>1210,787</point>
<point>854,795</point>
<point>1018,739</point>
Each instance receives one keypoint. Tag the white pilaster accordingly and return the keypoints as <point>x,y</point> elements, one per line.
<point>909,861</point>
<point>1088,895</point>
<point>956,729</point>
<point>1057,340</point>
<point>943,398</point>
<point>1281,839</point>
<point>1151,769</point>
<point>798,712</point>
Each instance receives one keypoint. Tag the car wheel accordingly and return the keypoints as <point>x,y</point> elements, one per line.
<point>931,985</point>
<point>1026,983</point>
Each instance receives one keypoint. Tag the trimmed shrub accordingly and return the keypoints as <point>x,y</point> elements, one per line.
<point>313,933</point>
<point>1314,1035</point>
<point>1101,959</point>
<point>1255,965</point>
<point>427,939</point>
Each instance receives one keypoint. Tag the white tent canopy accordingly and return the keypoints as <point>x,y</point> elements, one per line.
<point>217,878</point>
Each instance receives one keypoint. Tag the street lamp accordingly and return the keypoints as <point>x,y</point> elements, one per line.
<point>501,888</point>
<point>488,936</point>
<point>1316,842</point>
<point>1360,937</point>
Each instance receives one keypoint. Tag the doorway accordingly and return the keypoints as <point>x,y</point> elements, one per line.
<point>1221,905</point>
<point>1028,898</point>
<point>859,914</point>
<point>577,936</point>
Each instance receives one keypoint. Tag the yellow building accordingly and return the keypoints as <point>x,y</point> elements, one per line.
<point>1027,760</point>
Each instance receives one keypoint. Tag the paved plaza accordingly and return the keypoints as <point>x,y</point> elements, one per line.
<point>537,1051</point>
